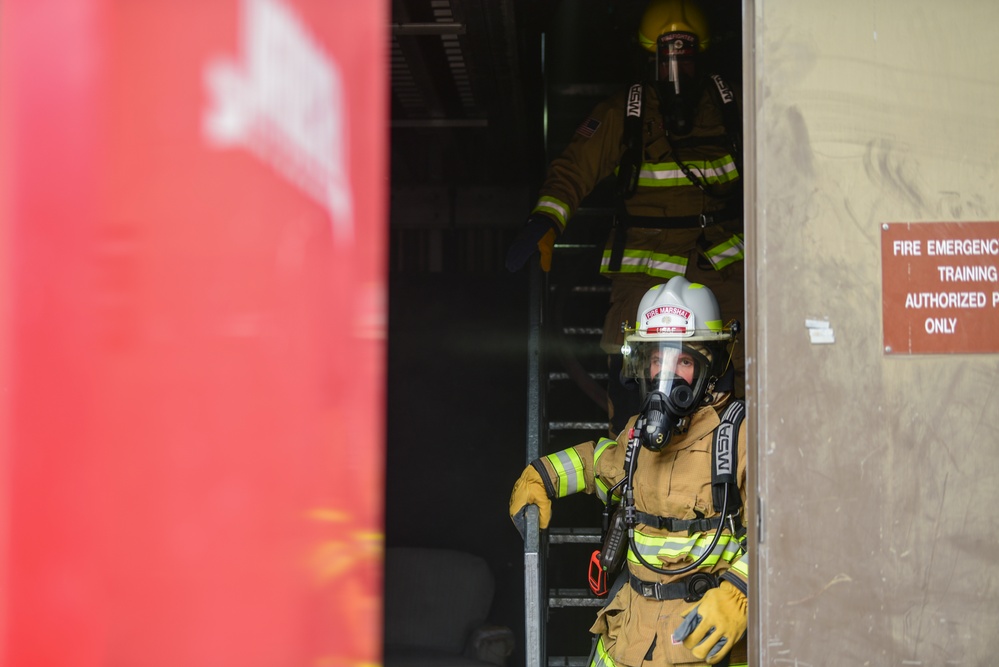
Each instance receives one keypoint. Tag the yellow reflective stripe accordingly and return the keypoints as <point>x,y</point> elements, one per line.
<point>727,252</point>
<point>646,261</point>
<point>600,657</point>
<point>691,548</point>
<point>602,446</point>
<point>556,208</point>
<point>602,488</point>
<point>669,174</point>
<point>741,566</point>
<point>569,468</point>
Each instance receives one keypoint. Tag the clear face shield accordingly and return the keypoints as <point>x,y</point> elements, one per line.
<point>664,366</point>
<point>677,80</point>
<point>673,378</point>
<point>676,61</point>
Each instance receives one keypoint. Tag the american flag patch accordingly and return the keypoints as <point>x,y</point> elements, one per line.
<point>588,127</point>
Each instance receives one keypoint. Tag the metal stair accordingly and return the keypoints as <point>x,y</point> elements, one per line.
<point>566,406</point>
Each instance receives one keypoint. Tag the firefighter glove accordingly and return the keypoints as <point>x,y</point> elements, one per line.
<point>538,235</point>
<point>529,490</point>
<point>713,625</point>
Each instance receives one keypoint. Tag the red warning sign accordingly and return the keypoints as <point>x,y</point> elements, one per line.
<point>940,287</point>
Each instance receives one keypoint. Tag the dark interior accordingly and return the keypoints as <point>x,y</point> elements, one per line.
<point>484,93</point>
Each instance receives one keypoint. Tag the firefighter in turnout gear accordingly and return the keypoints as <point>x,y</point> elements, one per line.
<point>674,143</point>
<point>677,476</point>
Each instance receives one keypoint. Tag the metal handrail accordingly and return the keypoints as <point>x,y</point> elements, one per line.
<point>535,543</point>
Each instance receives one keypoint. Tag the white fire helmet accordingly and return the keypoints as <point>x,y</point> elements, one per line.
<point>679,345</point>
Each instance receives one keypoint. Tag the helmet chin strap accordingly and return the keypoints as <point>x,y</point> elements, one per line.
<point>709,390</point>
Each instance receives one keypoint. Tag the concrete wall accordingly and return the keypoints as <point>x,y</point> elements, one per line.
<point>877,473</point>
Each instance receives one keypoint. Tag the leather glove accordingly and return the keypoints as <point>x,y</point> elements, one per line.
<point>538,235</point>
<point>714,624</point>
<point>529,490</point>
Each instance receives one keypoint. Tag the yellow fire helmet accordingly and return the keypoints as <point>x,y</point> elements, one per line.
<point>666,16</point>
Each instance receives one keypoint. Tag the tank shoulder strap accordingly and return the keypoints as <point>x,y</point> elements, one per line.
<point>631,160</point>
<point>725,456</point>
<point>731,116</point>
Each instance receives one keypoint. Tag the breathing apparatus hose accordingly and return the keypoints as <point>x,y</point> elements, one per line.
<point>630,508</point>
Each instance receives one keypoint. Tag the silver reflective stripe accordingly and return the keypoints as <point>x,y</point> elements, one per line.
<point>638,261</point>
<point>602,446</point>
<point>600,657</point>
<point>601,491</point>
<point>554,207</point>
<point>690,547</point>
<point>725,253</point>
<point>670,174</point>
<point>741,566</point>
<point>569,467</point>
<point>735,251</point>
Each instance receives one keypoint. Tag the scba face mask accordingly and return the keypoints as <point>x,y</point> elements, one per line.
<point>674,379</point>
